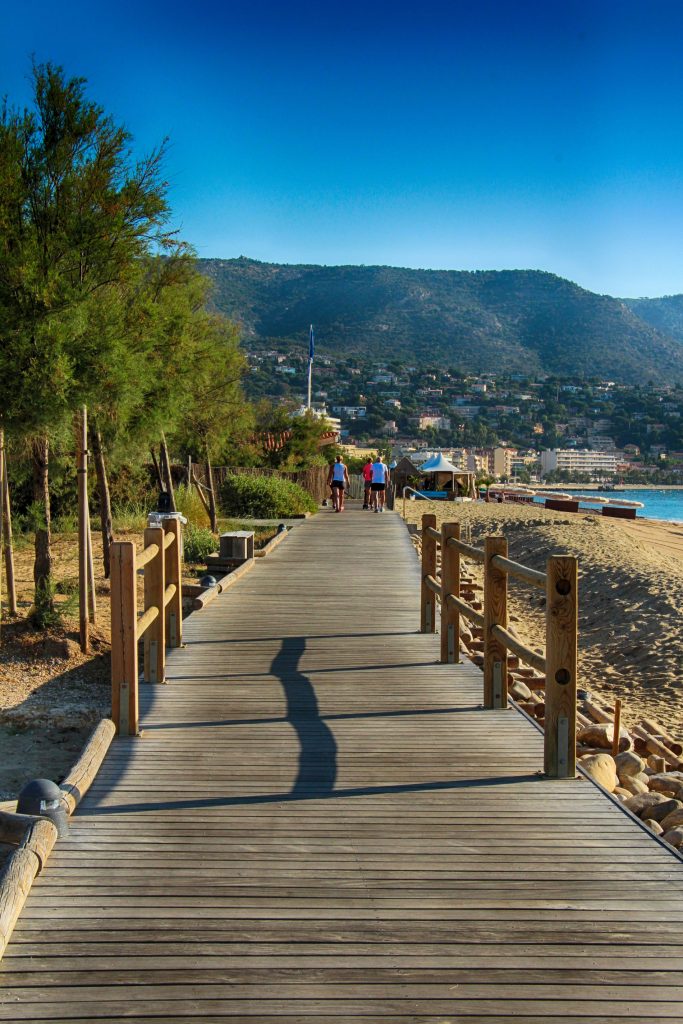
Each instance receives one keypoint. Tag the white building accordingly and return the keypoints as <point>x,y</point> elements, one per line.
<point>575,460</point>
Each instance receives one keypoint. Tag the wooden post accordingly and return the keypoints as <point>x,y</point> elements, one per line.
<point>173,568</point>
<point>155,635</point>
<point>6,518</point>
<point>82,473</point>
<point>561,657</point>
<point>213,515</point>
<point>427,598</point>
<point>106,524</point>
<point>92,600</point>
<point>157,471</point>
<point>495,614</point>
<point>617,727</point>
<point>450,584</point>
<point>124,642</point>
<point>2,505</point>
<point>166,473</point>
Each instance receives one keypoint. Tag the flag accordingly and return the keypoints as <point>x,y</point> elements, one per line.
<point>311,343</point>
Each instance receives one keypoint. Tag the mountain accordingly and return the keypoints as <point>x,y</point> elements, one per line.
<point>513,320</point>
<point>665,314</point>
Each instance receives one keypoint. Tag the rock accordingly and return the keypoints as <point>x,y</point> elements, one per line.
<point>520,691</point>
<point>628,765</point>
<point>623,794</point>
<point>644,802</point>
<point>634,786</point>
<point>601,767</point>
<point>665,808</point>
<point>644,778</point>
<point>653,825</point>
<point>674,837</point>
<point>601,735</point>
<point>667,782</point>
<point>674,819</point>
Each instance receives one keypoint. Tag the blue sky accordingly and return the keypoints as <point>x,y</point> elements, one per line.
<point>543,135</point>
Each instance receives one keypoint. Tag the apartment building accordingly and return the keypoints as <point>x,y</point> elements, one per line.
<point>575,460</point>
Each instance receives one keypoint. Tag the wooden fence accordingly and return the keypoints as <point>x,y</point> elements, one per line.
<point>160,623</point>
<point>313,480</point>
<point>559,665</point>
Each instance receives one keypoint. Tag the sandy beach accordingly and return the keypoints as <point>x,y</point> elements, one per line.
<point>630,596</point>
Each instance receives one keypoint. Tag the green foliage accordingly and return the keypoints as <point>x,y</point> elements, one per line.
<point>74,215</point>
<point>302,448</point>
<point>198,543</point>
<point>264,497</point>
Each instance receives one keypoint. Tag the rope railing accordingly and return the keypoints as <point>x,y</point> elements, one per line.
<point>158,626</point>
<point>558,666</point>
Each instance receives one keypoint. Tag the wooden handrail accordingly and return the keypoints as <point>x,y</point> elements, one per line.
<point>159,624</point>
<point>520,572</point>
<point>434,586</point>
<point>468,550</point>
<point>559,665</point>
<point>466,610</point>
<point>510,641</point>
<point>146,555</point>
<point>146,620</point>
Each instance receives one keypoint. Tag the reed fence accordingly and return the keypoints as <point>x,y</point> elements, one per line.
<point>558,666</point>
<point>313,480</point>
<point>159,625</point>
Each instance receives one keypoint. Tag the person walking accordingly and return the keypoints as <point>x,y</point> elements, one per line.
<point>338,480</point>
<point>367,483</point>
<point>380,479</point>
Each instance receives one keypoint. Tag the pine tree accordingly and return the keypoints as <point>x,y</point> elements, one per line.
<point>75,214</point>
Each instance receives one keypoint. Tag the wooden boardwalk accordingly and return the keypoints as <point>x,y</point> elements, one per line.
<point>320,824</point>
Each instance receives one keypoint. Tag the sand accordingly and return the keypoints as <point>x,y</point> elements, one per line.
<point>630,596</point>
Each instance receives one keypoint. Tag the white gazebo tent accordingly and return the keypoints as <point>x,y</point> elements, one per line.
<point>438,467</point>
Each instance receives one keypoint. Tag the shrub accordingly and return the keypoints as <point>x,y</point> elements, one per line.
<point>266,497</point>
<point>198,543</point>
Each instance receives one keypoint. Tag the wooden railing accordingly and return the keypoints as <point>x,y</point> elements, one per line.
<point>559,665</point>
<point>160,623</point>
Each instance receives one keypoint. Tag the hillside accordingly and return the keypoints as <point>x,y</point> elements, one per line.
<point>665,314</point>
<point>524,320</point>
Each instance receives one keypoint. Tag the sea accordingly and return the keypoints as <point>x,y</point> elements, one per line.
<point>658,503</point>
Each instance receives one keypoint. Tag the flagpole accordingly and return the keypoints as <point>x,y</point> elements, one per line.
<point>310,362</point>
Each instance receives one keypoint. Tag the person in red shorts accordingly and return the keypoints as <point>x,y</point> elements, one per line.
<point>367,483</point>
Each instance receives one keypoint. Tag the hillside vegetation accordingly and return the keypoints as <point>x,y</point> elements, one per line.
<point>665,314</point>
<point>517,320</point>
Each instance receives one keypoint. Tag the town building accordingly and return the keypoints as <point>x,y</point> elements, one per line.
<point>575,460</point>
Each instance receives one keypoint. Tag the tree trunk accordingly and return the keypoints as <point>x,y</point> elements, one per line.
<point>166,471</point>
<point>42,566</point>
<point>107,525</point>
<point>157,471</point>
<point>212,495</point>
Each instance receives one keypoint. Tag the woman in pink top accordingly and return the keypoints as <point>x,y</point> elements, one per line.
<point>367,481</point>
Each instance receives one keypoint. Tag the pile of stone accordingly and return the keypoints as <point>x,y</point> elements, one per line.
<point>646,775</point>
